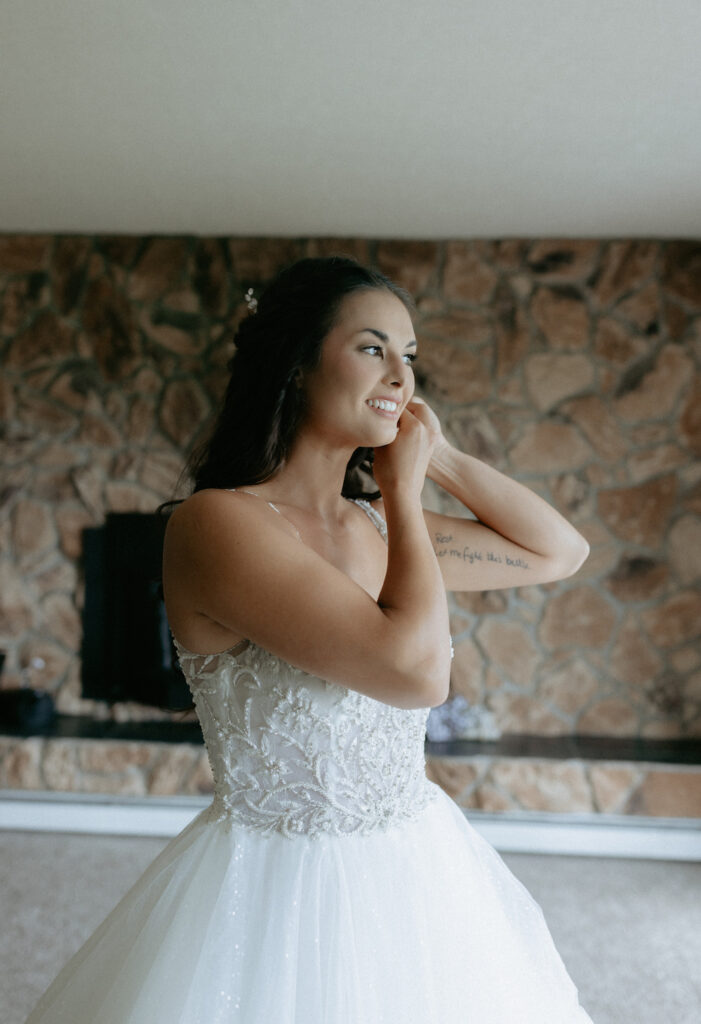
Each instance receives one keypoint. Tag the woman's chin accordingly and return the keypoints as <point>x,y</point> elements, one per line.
<point>383,436</point>
<point>382,433</point>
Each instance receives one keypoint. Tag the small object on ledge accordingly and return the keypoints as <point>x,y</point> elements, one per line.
<point>26,709</point>
<point>458,720</point>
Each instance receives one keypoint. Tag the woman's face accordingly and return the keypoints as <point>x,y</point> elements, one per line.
<point>365,359</point>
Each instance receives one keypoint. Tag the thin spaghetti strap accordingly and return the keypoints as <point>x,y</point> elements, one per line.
<point>284,517</point>
<point>374,516</point>
<point>365,505</point>
<point>271,505</point>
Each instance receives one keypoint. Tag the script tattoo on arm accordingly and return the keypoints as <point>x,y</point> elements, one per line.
<point>468,554</point>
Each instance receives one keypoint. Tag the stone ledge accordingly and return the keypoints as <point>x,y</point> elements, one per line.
<point>593,748</point>
<point>490,782</point>
<point>106,766</point>
<point>84,727</point>
<point>503,784</point>
<point>590,748</point>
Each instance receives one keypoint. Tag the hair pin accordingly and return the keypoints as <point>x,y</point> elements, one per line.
<point>251,301</point>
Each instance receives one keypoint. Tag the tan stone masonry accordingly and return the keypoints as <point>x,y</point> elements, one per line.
<point>481,782</point>
<point>570,364</point>
<point>569,786</point>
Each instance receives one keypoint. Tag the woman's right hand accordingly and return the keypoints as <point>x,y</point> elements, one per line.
<point>402,464</point>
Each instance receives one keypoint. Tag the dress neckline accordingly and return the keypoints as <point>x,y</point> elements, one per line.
<point>238,648</point>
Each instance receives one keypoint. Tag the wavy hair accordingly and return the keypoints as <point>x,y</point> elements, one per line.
<point>263,407</point>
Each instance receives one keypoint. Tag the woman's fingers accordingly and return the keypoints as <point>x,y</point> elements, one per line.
<point>406,458</point>
<point>423,412</point>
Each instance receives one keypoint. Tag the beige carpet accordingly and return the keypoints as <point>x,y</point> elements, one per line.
<point>628,931</point>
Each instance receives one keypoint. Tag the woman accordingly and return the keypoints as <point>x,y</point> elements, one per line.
<point>329,881</point>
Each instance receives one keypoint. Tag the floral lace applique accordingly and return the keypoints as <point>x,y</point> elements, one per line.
<point>298,755</point>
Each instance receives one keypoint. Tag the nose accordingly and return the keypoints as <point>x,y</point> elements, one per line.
<point>397,373</point>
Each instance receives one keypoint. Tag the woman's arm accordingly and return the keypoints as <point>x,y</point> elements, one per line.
<point>518,539</point>
<point>413,593</point>
<point>225,561</point>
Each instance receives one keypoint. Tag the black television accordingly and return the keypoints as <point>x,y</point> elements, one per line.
<point>127,650</point>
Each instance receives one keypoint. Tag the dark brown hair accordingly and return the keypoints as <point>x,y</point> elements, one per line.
<point>262,406</point>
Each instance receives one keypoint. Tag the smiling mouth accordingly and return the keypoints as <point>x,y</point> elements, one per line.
<point>384,407</point>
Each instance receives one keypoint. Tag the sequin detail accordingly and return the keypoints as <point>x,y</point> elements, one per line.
<point>301,756</point>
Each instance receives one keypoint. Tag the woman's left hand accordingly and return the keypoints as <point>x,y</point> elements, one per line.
<point>428,417</point>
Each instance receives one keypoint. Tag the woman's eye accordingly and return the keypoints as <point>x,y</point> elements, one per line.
<point>411,356</point>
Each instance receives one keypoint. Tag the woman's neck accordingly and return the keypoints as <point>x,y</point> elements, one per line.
<point>312,479</point>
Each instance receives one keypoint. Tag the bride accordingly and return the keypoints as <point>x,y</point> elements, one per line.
<point>323,377</point>
<point>329,882</point>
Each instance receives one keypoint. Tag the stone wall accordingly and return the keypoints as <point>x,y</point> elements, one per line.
<point>570,365</point>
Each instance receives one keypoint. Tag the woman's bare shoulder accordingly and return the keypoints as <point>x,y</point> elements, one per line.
<point>204,518</point>
<point>198,504</point>
<point>206,495</point>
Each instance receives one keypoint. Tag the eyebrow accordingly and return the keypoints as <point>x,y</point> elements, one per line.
<point>382,336</point>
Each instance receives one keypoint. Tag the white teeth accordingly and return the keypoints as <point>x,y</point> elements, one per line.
<point>377,403</point>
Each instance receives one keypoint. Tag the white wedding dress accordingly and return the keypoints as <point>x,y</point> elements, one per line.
<point>329,881</point>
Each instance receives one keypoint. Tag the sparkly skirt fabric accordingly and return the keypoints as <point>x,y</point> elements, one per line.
<point>422,923</point>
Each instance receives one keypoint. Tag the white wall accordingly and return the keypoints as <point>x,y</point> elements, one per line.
<point>456,118</point>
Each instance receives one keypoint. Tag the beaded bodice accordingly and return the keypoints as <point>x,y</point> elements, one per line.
<point>295,754</point>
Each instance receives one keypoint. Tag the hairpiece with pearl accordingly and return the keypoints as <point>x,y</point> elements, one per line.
<point>251,301</point>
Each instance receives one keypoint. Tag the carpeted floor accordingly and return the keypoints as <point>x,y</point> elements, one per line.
<point>629,931</point>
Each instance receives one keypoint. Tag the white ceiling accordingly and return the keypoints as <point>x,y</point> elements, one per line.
<point>378,118</point>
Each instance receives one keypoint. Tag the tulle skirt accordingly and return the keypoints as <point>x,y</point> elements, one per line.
<point>420,924</point>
